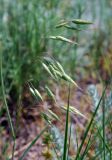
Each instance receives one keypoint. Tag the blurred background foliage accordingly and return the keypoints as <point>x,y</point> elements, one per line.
<point>25,27</point>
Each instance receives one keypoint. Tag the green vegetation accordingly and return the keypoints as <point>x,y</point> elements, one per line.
<point>66,45</point>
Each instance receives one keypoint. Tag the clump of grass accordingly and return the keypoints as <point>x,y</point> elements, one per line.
<point>82,149</point>
<point>57,72</point>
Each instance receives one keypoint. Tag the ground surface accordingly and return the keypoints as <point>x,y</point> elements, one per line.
<point>31,123</point>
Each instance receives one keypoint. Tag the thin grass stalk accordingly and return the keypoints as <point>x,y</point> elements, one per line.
<point>101,150</point>
<point>77,38</point>
<point>87,149</point>
<point>13,149</point>
<point>66,128</point>
<point>109,121</point>
<point>96,156</point>
<point>99,130</point>
<point>77,143</point>
<point>55,152</point>
<point>6,107</point>
<point>103,126</point>
<point>32,143</point>
<point>18,114</point>
<point>91,143</point>
<point>102,138</point>
<point>89,126</point>
<point>69,136</point>
<point>87,146</point>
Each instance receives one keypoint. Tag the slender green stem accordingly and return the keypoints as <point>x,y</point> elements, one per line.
<point>103,125</point>
<point>106,146</point>
<point>55,152</point>
<point>6,106</point>
<point>76,138</point>
<point>69,136</point>
<point>87,146</point>
<point>14,145</point>
<point>66,128</point>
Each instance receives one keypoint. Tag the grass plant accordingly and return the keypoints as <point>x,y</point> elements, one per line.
<point>25,36</point>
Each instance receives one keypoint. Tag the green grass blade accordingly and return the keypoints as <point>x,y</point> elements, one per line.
<point>70,132</point>
<point>98,134</point>
<point>66,129</point>
<point>87,146</point>
<point>97,155</point>
<point>5,101</point>
<point>102,138</point>
<point>32,143</point>
<point>89,126</point>
<point>6,107</point>
<point>55,151</point>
